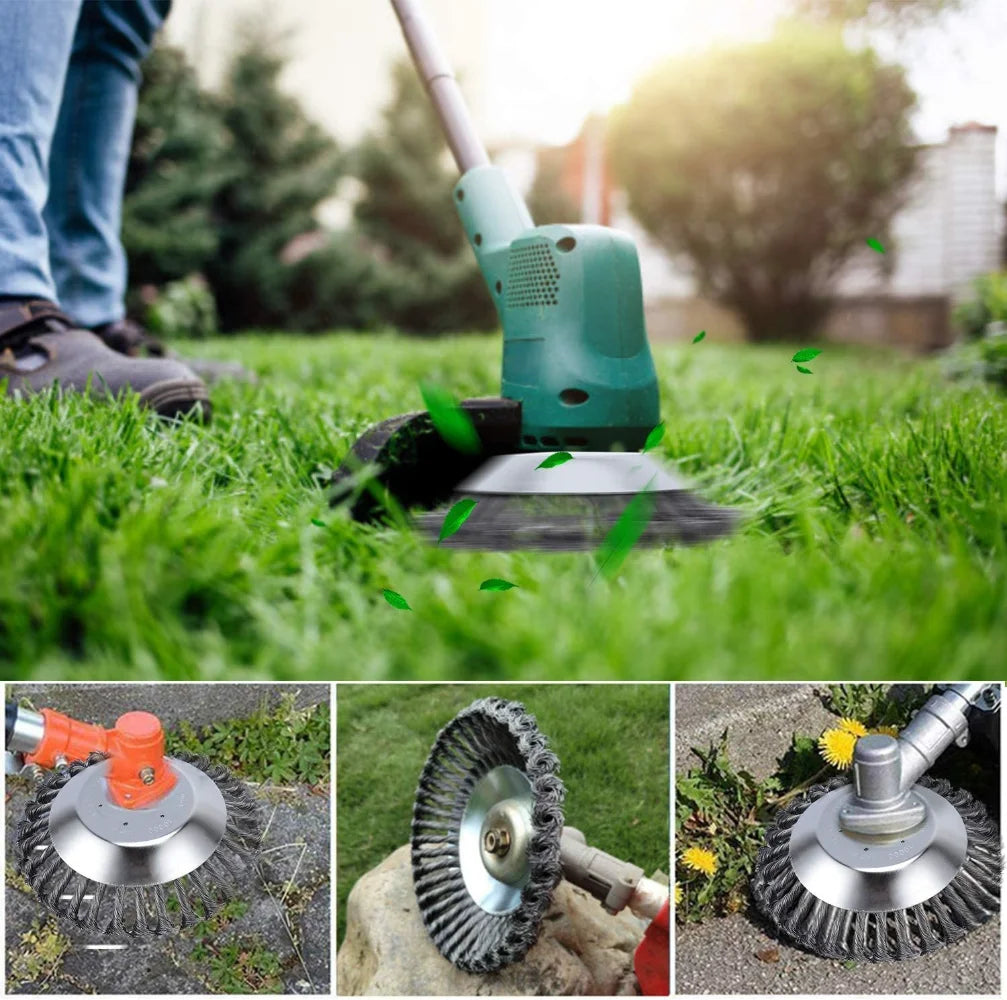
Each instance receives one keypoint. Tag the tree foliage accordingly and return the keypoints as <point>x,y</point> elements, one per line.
<point>896,14</point>
<point>766,166</point>
<point>282,167</point>
<point>176,168</point>
<point>429,274</point>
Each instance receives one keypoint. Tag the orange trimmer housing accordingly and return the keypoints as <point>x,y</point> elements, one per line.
<point>138,773</point>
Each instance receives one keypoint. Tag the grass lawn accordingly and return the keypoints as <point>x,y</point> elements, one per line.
<point>874,546</point>
<point>611,740</point>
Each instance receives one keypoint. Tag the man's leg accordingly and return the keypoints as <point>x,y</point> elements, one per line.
<point>35,43</point>
<point>39,345</point>
<point>90,154</point>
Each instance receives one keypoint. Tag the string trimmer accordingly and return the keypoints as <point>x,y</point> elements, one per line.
<point>894,864</point>
<point>489,847</point>
<point>120,839</point>
<point>577,377</point>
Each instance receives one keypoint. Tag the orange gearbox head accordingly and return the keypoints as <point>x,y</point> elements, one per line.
<point>138,772</point>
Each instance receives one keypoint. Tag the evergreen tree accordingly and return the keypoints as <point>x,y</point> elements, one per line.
<point>176,168</point>
<point>431,279</point>
<point>282,166</point>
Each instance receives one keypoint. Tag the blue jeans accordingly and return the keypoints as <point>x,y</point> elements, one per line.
<point>69,74</point>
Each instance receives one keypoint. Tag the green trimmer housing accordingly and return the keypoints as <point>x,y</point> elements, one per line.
<point>575,351</point>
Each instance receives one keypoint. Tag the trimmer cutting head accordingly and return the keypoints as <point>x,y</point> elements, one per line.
<point>137,871</point>
<point>879,897</point>
<point>522,505</point>
<point>486,831</point>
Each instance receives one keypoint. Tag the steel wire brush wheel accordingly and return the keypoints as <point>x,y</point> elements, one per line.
<point>137,871</point>
<point>573,507</point>
<point>879,899</point>
<point>486,835</point>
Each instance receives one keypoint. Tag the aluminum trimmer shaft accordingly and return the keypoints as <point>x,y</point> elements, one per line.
<point>615,884</point>
<point>885,768</point>
<point>445,95</point>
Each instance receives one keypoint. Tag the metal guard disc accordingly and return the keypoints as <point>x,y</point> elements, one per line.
<point>870,873</point>
<point>148,846</point>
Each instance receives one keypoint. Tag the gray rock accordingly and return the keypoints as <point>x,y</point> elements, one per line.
<point>581,949</point>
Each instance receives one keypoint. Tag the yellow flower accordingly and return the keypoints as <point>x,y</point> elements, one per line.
<point>836,746</point>
<point>700,860</point>
<point>678,894</point>
<point>886,730</point>
<point>852,726</point>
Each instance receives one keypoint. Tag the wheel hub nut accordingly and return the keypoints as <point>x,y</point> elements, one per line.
<point>497,841</point>
<point>147,775</point>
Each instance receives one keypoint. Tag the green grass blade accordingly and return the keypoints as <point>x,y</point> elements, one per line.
<point>456,517</point>
<point>556,458</point>
<point>624,534</point>
<point>450,421</point>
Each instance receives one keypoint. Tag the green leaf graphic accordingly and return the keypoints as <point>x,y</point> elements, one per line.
<point>875,244</point>
<point>318,522</point>
<point>807,354</point>
<point>625,533</point>
<point>495,584</point>
<point>456,517</point>
<point>557,458</point>
<point>450,420</point>
<point>396,600</point>
<point>804,371</point>
<point>654,437</point>
<point>699,336</point>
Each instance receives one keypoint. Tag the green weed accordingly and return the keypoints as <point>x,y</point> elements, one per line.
<point>38,957</point>
<point>282,745</point>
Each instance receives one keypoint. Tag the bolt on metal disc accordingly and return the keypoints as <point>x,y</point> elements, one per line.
<point>877,874</point>
<point>501,802</point>
<point>136,847</point>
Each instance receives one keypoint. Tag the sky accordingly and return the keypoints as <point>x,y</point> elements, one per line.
<point>535,68</point>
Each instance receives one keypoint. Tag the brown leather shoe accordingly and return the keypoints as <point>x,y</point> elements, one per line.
<point>40,347</point>
<point>128,337</point>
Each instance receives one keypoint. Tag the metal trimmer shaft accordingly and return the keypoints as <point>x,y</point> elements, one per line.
<point>445,95</point>
<point>885,769</point>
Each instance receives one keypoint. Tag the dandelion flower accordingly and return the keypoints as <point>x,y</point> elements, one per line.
<point>836,746</point>
<point>678,894</point>
<point>852,726</point>
<point>886,730</point>
<point>700,860</point>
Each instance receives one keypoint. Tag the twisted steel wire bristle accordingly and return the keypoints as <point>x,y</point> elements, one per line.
<point>571,522</point>
<point>489,733</point>
<point>138,911</point>
<point>968,901</point>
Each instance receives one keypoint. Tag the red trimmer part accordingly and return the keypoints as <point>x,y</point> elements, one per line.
<point>651,959</point>
<point>138,770</point>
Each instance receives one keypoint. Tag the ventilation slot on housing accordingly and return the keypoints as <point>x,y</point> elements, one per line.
<point>532,276</point>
